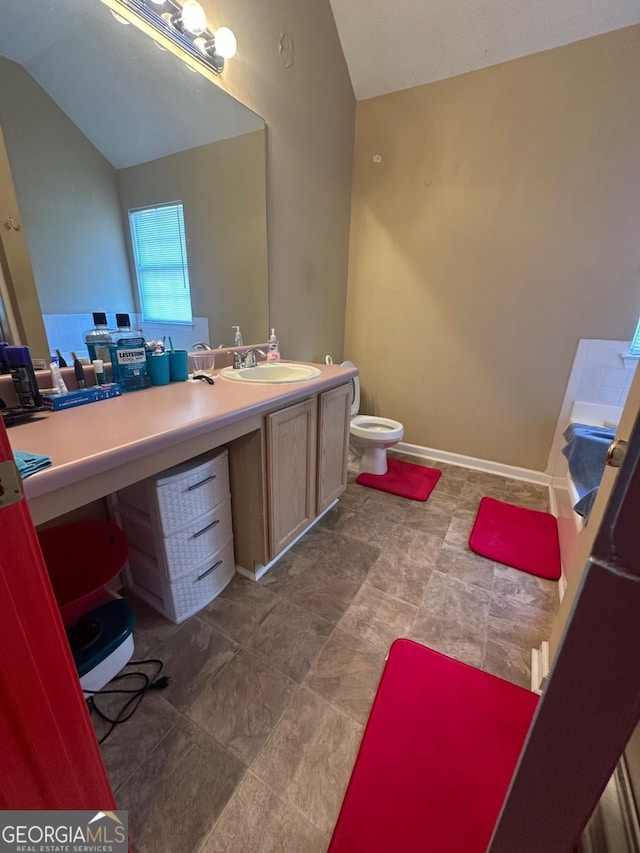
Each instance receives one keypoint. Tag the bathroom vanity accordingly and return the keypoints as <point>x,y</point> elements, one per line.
<point>287,448</point>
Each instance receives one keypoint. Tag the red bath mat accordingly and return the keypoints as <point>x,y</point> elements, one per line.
<point>524,539</point>
<point>436,758</point>
<point>403,478</point>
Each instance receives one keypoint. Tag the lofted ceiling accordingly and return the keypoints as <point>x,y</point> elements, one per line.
<point>135,103</point>
<point>395,45</point>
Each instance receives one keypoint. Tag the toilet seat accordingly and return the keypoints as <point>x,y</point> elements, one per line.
<point>367,426</point>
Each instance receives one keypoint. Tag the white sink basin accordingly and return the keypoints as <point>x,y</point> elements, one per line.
<point>271,373</point>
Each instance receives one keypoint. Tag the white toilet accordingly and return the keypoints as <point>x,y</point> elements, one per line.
<point>370,436</point>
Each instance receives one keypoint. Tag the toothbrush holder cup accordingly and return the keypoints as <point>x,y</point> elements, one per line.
<point>158,368</point>
<point>178,365</point>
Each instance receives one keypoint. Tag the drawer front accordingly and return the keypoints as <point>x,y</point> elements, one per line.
<point>192,493</point>
<point>198,588</point>
<point>189,593</point>
<point>198,541</point>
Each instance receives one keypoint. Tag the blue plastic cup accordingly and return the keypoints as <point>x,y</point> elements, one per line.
<point>179,365</point>
<point>158,368</point>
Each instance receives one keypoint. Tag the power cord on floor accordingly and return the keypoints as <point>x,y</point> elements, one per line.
<point>129,708</point>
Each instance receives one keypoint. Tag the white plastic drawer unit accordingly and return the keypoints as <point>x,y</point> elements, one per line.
<point>179,528</point>
<point>190,592</point>
<point>176,496</point>
<point>187,547</point>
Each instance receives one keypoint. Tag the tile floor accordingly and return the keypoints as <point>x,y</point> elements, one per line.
<point>251,746</point>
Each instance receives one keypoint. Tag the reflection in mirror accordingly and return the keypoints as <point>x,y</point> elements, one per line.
<point>98,121</point>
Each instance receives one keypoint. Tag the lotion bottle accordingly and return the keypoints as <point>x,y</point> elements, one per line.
<point>273,353</point>
<point>237,338</point>
<point>58,381</point>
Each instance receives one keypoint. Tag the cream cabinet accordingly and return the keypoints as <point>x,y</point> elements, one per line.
<point>291,472</point>
<point>307,448</point>
<point>334,416</point>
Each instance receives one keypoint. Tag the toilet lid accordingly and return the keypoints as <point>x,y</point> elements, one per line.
<point>355,400</point>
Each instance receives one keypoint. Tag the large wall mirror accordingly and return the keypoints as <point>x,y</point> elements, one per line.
<point>100,121</point>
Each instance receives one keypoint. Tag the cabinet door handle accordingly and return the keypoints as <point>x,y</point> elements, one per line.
<point>201,483</point>
<point>208,527</point>
<point>208,572</point>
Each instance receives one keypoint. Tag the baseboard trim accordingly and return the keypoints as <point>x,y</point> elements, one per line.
<point>486,465</point>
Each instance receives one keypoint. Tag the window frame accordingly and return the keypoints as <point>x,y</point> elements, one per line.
<point>138,267</point>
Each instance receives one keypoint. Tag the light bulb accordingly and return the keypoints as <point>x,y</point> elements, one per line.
<point>226,43</point>
<point>201,44</point>
<point>193,17</point>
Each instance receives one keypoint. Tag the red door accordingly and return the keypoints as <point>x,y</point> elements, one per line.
<point>49,757</point>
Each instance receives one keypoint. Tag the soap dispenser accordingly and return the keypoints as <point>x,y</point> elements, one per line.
<point>237,338</point>
<point>273,353</point>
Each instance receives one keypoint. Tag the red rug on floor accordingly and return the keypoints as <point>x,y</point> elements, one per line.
<point>436,758</point>
<point>525,539</point>
<point>403,478</point>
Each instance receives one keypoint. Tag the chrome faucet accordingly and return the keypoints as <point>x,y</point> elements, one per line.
<point>247,359</point>
<point>201,345</point>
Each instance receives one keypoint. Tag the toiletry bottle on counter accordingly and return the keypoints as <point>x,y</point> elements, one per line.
<point>4,364</point>
<point>237,338</point>
<point>99,339</point>
<point>123,322</point>
<point>128,356</point>
<point>273,353</point>
<point>58,381</point>
<point>24,379</point>
<point>98,367</point>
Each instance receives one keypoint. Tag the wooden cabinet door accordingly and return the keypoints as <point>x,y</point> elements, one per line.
<point>334,416</point>
<point>291,459</point>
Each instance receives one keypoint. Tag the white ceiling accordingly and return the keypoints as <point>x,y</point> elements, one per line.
<point>395,44</point>
<point>134,102</point>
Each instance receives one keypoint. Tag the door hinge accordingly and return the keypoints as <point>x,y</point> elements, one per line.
<point>10,484</point>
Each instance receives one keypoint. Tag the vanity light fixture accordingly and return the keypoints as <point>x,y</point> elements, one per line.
<point>191,18</point>
<point>186,25</point>
<point>223,43</point>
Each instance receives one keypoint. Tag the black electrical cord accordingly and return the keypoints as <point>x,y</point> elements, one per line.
<point>136,695</point>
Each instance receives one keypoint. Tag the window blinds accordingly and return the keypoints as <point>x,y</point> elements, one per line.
<point>160,254</point>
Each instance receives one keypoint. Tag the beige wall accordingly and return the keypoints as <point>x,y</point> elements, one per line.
<point>222,188</point>
<point>309,110</point>
<point>68,200</point>
<point>501,227</point>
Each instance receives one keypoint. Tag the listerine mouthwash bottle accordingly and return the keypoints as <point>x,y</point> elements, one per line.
<point>99,339</point>
<point>128,356</point>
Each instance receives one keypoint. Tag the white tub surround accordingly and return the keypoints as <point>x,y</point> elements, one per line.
<point>596,393</point>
